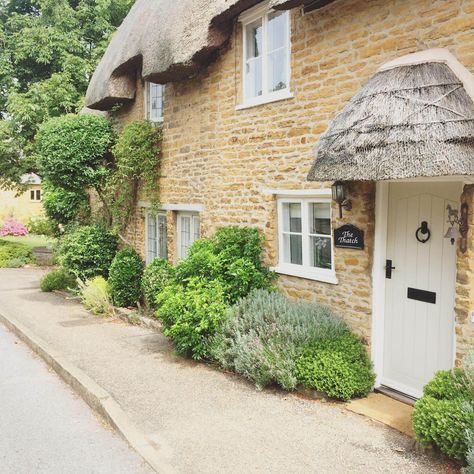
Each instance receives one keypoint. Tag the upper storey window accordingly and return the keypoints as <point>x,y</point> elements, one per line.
<point>154,101</point>
<point>266,74</point>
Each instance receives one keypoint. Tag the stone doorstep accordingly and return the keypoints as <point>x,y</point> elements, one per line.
<point>386,410</point>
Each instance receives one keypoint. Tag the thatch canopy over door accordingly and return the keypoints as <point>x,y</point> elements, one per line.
<point>414,118</point>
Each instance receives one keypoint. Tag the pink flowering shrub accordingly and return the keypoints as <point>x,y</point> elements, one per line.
<point>12,227</point>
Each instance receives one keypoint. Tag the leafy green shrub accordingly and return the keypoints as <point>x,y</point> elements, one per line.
<point>14,255</point>
<point>232,256</point>
<point>72,150</point>
<point>191,315</point>
<point>125,276</point>
<point>338,367</point>
<point>40,226</point>
<point>137,158</point>
<point>95,295</point>
<point>156,276</point>
<point>57,280</point>
<point>64,207</point>
<point>87,251</point>
<point>445,413</point>
<point>264,334</point>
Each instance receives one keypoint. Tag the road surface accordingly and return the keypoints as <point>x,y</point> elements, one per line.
<point>45,428</point>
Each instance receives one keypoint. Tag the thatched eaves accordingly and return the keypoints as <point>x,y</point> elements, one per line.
<point>414,118</point>
<point>169,40</point>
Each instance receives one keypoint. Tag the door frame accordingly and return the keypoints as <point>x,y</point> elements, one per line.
<point>378,266</point>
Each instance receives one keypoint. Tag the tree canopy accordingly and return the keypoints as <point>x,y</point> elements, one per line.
<point>48,52</point>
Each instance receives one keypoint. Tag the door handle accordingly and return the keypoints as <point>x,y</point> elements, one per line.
<point>388,269</point>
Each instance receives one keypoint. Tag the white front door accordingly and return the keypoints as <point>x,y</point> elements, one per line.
<point>419,297</point>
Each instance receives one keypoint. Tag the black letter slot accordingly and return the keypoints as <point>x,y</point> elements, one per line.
<point>421,295</point>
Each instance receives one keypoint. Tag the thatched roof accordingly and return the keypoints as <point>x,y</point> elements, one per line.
<point>170,40</point>
<point>415,117</point>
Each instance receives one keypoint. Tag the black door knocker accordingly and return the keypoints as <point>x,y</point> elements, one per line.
<point>424,231</point>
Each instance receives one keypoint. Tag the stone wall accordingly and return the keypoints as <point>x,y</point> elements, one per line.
<point>223,158</point>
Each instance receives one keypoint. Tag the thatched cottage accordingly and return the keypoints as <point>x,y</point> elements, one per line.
<point>343,130</point>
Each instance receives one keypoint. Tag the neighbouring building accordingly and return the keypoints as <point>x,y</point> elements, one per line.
<point>23,206</point>
<point>343,130</point>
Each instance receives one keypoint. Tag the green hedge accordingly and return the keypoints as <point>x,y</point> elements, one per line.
<point>57,280</point>
<point>158,274</point>
<point>445,413</point>
<point>14,255</point>
<point>125,276</point>
<point>338,367</point>
<point>87,251</point>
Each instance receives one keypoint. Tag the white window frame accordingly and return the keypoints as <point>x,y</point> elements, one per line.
<point>192,215</point>
<point>262,11</point>
<point>148,99</point>
<point>305,270</point>
<point>147,249</point>
<point>35,194</point>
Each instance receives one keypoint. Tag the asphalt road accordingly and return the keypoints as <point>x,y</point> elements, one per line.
<point>45,428</point>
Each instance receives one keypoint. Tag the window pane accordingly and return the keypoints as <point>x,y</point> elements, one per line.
<point>253,78</point>
<point>196,228</point>
<point>185,235</point>
<point>292,217</point>
<point>320,218</point>
<point>32,195</point>
<point>155,102</point>
<point>321,252</point>
<point>277,30</point>
<point>38,195</point>
<point>253,66</point>
<point>151,238</point>
<point>162,238</point>
<point>293,249</point>
<point>277,70</point>
<point>254,39</point>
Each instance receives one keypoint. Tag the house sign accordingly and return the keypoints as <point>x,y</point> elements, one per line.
<point>349,237</point>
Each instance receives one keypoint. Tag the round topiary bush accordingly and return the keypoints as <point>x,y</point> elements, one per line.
<point>338,367</point>
<point>88,251</point>
<point>445,413</point>
<point>156,276</point>
<point>125,277</point>
<point>57,280</point>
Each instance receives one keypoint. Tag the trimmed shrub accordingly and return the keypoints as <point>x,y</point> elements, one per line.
<point>41,226</point>
<point>264,334</point>
<point>57,280</point>
<point>156,276</point>
<point>87,251</point>
<point>339,367</point>
<point>445,413</point>
<point>14,255</point>
<point>191,315</point>
<point>13,227</point>
<point>64,207</point>
<point>233,256</point>
<point>95,296</point>
<point>125,276</point>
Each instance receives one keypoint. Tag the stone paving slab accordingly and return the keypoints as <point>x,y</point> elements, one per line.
<point>202,420</point>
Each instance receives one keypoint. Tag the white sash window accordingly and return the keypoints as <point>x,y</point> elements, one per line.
<point>156,237</point>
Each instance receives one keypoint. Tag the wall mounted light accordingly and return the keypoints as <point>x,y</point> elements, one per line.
<point>339,195</point>
<point>458,225</point>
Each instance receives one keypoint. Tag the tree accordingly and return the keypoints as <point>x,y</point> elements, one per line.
<point>48,52</point>
<point>74,153</point>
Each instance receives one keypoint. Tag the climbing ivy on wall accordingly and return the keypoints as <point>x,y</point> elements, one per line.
<point>137,155</point>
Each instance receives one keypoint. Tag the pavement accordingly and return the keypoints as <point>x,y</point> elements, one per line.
<point>46,428</point>
<point>198,419</point>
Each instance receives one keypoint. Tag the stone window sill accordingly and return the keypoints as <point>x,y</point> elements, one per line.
<point>266,99</point>
<point>326,276</point>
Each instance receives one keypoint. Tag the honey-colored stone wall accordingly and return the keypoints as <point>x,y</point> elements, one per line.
<point>223,158</point>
